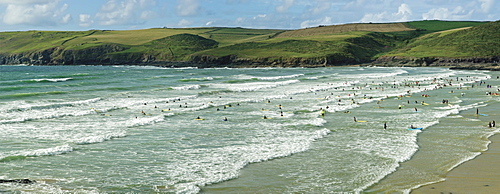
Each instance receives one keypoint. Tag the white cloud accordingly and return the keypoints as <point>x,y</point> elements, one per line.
<point>259,16</point>
<point>284,8</point>
<point>184,23</point>
<point>446,14</point>
<point>321,21</point>
<point>404,14</point>
<point>116,12</point>
<point>24,2</point>
<point>320,8</point>
<point>35,12</point>
<point>187,7</point>
<point>486,5</point>
<point>85,20</point>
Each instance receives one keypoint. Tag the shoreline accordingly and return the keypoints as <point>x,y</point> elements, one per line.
<point>479,175</point>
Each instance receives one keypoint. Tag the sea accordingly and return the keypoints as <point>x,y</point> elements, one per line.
<point>141,129</point>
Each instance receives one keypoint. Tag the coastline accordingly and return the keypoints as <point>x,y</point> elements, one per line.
<point>479,175</point>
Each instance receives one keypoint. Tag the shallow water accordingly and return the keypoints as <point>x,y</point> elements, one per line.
<point>132,129</point>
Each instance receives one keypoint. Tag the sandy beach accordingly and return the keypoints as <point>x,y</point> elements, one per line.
<point>480,175</point>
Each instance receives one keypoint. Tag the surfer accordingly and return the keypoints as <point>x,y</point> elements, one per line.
<point>490,125</point>
<point>264,117</point>
<point>225,119</point>
<point>493,124</point>
<point>385,125</point>
<point>416,110</point>
<point>355,119</point>
<point>412,127</point>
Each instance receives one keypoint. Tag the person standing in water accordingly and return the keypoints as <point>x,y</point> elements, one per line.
<point>385,125</point>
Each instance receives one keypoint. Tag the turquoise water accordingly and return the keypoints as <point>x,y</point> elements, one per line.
<point>106,129</point>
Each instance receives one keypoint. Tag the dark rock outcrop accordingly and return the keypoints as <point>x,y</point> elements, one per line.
<point>21,181</point>
<point>472,63</point>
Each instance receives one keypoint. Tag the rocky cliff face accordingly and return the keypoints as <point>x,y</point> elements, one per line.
<point>111,54</point>
<point>479,63</point>
<point>102,55</point>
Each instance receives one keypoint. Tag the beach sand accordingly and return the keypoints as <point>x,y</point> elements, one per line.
<point>480,175</point>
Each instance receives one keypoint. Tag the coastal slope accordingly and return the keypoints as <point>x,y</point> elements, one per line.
<point>420,43</point>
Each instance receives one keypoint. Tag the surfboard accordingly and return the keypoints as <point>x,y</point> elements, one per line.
<point>199,119</point>
<point>425,104</point>
<point>483,114</point>
<point>267,118</point>
<point>361,121</point>
<point>419,128</point>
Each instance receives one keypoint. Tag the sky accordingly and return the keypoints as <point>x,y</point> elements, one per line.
<point>82,15</point>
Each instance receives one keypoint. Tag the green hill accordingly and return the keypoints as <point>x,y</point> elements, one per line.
<point>240,47</point>
<point>479,41</point>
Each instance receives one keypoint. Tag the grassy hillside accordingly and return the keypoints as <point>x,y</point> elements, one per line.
<point>479,41</point>
<point>322,30</point>
<point>338,44</point>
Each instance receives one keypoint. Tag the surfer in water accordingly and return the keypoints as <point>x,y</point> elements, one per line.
<point>225,119</point>
<point>385,125</point>
<point>355,119</point>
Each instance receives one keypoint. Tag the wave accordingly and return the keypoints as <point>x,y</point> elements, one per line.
<point>25,95</point>
<point>36,153</point>
<point>272,145</point>
<point>197,79</point>
<point>188,87</point>
<point>27,107</point>
<point>249,77</point>
<point>247,87</point>
<point>99,138</point>
<point>52,79</point>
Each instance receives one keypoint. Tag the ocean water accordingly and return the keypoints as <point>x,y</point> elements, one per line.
<point>131,129</point>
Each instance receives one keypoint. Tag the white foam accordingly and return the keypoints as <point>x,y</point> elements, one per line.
<point>99,138</point>
<point>187,87</point>
<point>54,80</point>
<point>49,151</point>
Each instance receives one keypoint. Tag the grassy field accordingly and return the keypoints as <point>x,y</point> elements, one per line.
<point>322,30</point>
<point>352,42</point>
<point>479,41</point>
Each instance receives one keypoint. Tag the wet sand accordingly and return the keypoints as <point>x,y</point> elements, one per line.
<point>480,175</point>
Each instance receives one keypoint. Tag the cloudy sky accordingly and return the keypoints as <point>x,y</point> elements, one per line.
<point>21,15</point>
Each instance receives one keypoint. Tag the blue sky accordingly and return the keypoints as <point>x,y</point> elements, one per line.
<point>22,15</point>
